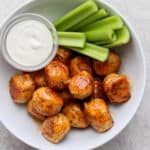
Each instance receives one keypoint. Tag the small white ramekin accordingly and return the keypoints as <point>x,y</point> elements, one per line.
<point>19,18</point>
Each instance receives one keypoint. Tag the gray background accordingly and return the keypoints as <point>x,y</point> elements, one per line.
<point>136,136</point>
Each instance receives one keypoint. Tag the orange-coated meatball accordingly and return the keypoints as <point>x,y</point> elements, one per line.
<point>98,91</point>
<point>55,129</point>
<point>46,102</point>
<point>22,87</point>
<point>57,75</point>
<point>76,115</point>
<point>63,55</point>
<point>66,96</point>
<point>31,110</point>
<point>98,115</point>
<point>81,85</point>
<point>79,64</point>
<point>117,88</point>
<point>39,78</point>
<point>112,65</point>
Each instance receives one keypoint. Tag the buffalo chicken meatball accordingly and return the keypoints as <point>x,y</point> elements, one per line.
<point>76,116</point>
<point>66,96</point>
<point>54,129</point>
<point>117,88</point>
<point>98,91</point>
<point>22,87</point>
<point>39,78</point>
<point>79,64</point>
<point>98,115</point>
<point>112,65</point>
<point>31,110</point>
<point>63,55</point>
<point>46,102</point>
<point>81,85</point>
<point>57,75</point>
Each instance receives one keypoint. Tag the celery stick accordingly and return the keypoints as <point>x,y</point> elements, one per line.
<point>123,37</point>
<point>105,35</point>
<point>93,51</point>
<point>113,22</point>
<point>72,39</point>
<point>91,19</point>
<point>76,15</point>
<point>101,43</point>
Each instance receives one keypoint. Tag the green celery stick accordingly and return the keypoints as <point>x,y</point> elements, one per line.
<point>72,39</point>
<point>93,51</point>
<point>101,43</point>
<point>94,17</point>
<point>76,15</point>
<point>113,22</point>
<point>123,37</point>
<point>101,35</point>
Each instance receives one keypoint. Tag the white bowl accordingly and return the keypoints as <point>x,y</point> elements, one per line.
<point>22,17</point>
<point>19,123</point>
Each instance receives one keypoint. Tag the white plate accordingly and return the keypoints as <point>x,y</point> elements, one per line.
<point>18,122</point>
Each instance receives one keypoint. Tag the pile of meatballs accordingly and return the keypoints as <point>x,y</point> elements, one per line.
<point>71,91</point>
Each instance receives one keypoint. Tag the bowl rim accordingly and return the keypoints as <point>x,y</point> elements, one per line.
<point>10,23</point>
<point>27,2</point>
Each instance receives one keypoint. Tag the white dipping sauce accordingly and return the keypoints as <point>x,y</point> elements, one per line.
<point>29,43</point>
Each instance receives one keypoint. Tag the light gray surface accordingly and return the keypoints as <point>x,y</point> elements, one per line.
<point>137,134</point>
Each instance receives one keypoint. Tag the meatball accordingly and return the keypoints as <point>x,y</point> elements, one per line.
<point>57,75</point>
<point>54,129</point>
<point>117,88</point>
<point>31,110</point>
<point>76,116</point>
<point>22,87</point>
<point>79,64</point>
<point>112,65</point>
<point>66,96</point>
<point>98,91</point>
<point>63,55</point>
<point>98,115</point>
<point>39,78</point>
<point>46,102</point>
<point>81,85</point>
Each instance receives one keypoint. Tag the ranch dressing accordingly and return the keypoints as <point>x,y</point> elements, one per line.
<point>29,42</point>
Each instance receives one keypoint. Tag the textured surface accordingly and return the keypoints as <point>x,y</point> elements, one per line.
<point>137,134</point>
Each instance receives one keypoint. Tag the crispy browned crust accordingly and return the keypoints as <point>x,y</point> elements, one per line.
<point>66,96</point>
<point>63,55</point>
<point>55,129</point>
<point>98,115</point>
<point>47,102</point>
<point>81,85</point>
<point>98,91</point>
<point>79,64</point>
<point>57,75</point>
<point>21,87</point>
<point>112,65</point>
<point>31,110</point>
<point>117,88</point>
<point>39,78</point>
<point>76,115</point>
